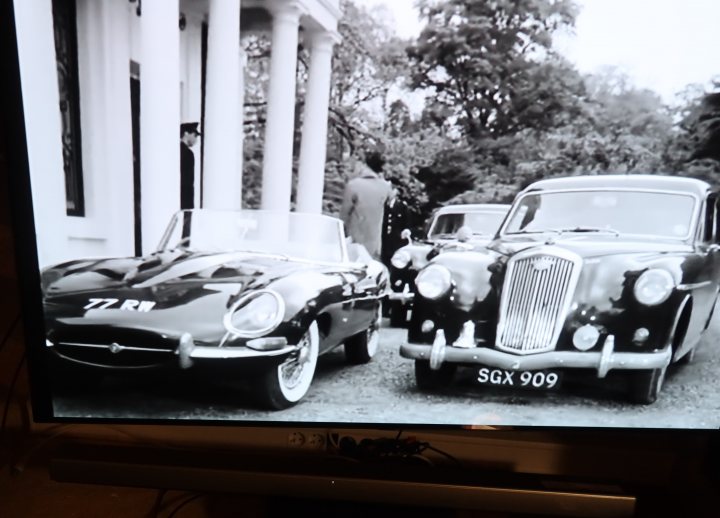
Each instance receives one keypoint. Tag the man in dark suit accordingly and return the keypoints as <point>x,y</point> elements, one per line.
<point>395,220</point>
<point>189,134</point>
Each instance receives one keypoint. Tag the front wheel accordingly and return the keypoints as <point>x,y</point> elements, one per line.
<point>430,379</point>
<point>645,385</point>
<point>286,384</point>
<point>362,347</point>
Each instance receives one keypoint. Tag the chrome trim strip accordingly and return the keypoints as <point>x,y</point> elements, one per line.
<point>606,355</point>
<point>402,297</point>
<point>550,360</point>
<point>235,352</point>
<point>525,326</point>
<point>279,314</point>
<point>693,285</point>
<point>122,347</point>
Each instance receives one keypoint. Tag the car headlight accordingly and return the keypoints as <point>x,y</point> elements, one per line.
<point>654,287</point>
<point>434,281</point>
<point>400,259</point>
<point>255,314</point>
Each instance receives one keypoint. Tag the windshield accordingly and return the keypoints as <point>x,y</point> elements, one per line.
<point>481,223</point>
<point>312,237</point>
<point>624,212</point>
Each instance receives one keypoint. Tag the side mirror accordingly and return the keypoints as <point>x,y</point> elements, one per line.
<point>406,234</point>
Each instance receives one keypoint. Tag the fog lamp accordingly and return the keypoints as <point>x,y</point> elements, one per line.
<point>427,326</point>
<point>641,335</point>
<point>586,337</point>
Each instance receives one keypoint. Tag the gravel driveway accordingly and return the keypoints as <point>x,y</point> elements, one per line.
<point>384,392</point>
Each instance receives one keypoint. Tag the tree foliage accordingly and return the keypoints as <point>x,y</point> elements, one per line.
<point>501,108</point>
<point>491,66</point>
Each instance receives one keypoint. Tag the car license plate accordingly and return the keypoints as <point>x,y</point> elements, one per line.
<point>534,380</point>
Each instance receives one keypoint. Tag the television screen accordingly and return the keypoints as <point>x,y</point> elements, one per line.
<point>369,212</point>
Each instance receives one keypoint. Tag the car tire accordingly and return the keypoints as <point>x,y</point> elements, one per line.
<point>283,386</point>
<point>645,385</point>
<point>430,379</point>
<point>689,357</point>
<point>362,347</point>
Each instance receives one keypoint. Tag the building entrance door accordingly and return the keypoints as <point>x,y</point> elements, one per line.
<point>135,111</point>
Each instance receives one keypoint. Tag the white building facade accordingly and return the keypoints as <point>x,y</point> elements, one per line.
<point>108,106</point>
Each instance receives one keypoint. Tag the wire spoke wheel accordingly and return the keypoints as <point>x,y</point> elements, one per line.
<point>286,384</point>
<point>362,347</point>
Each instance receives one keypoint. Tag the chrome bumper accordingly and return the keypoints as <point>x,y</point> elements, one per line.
<point>187,350</point>
<point>401,296</point>
<point>603,361</point>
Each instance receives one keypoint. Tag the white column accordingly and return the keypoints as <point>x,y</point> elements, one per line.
<point>311,174</point>
<point>192,73</point>
<point>118,130</point>
<point>118,166</point>
<point>222,181</point>
<point>43,130</point>
<point>241,121</point>
<point>159,118</point>
<point>279,129</point>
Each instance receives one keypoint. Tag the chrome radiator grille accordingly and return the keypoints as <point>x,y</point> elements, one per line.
<point>536,295</point>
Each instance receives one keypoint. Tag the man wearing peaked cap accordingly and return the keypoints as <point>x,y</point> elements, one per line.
<point>189,134</point>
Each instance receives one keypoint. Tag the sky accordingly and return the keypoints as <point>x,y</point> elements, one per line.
<point>662,45</point>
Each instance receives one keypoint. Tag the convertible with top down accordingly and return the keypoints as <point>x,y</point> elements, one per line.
<point>259,292</point>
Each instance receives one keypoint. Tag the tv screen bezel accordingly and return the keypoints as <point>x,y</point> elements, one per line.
<point>26,259</point>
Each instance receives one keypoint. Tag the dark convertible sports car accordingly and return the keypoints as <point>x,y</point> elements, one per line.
<point>603,273</point>
<point>262,292</point>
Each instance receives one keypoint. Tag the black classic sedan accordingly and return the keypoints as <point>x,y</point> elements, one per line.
<point>259,292</point>
<point>610,274</point>
<point>461,226</point>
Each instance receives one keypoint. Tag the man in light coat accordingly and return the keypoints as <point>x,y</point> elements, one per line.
<point>364,203</point>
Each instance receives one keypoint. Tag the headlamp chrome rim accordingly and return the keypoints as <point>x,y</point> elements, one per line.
<point>247,298</point>
<point>660,275</point>
<point>443,275</point>
<point>401,259</point>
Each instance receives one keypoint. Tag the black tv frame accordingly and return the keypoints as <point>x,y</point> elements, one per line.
<point>31,299</point>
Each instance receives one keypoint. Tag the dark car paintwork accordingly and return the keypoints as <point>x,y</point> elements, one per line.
<point>192,292</point>
<point>423,250</point>
<point>603,295</point>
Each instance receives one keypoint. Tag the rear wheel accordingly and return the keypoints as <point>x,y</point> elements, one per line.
<point>645,385</point>
<point>284,385</point>
<point>430,379</point>
<point>362,347</point>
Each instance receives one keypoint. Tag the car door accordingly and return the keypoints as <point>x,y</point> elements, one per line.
<point>706,283</point>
